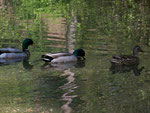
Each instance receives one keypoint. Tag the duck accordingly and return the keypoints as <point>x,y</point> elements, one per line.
<point>13,53</point>
<point>127,60</point>
<point>64,66</point>
<point>65,57</point>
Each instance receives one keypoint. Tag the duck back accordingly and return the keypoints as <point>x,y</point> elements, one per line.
<point>12,55</point>
<point>10,50</point>
<point>125,60</point>
<point>58,54</point>
<point>65,59</point>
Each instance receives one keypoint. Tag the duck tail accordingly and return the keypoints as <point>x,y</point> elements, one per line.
<point>47,58</point>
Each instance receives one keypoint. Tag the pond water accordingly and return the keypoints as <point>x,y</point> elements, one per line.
<point>102,29</point>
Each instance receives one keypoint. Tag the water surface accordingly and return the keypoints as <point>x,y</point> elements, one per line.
<point>102,29</point>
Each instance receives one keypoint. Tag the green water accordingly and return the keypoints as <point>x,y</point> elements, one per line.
<point>102,29</point>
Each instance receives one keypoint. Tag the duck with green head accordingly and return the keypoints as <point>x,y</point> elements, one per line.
<point>127,60</point>
<point>8,53</point>
<point>78,54</point>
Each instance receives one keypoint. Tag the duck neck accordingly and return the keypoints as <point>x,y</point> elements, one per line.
<point>135,53</point>
<point>27,52</point>
<point>24,47</point>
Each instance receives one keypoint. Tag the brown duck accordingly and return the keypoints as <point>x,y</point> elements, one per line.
<point>127,60</point>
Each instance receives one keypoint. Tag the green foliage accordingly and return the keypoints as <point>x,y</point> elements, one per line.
<point>31,9</point>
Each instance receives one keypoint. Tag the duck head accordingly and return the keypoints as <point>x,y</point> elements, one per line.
<point>136,50</point>
<point>26,43</point>
<point>79,53</point>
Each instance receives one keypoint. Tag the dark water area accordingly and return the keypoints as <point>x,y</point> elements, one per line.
<point>102,29</point>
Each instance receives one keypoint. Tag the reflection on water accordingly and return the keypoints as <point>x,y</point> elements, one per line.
<point>13,61</point>
<point>69,87</point>
<point>125,69</point>
<point>27,65</point>
<point>102,28</point>
<point>10,61</point>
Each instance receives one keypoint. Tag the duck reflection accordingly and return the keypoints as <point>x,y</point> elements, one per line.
<point>27,65</point>
<point>25,62</point>
<point>10,61</point>
<point>125,69</point>
<point>69,87</point>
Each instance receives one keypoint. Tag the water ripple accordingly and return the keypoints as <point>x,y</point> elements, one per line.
<point>69,87</point>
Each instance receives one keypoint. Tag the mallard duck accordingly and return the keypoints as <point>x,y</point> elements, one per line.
<point>127,60</point>
<point>64,66</point>
<point>8,53</point>
<point>78,54</point>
